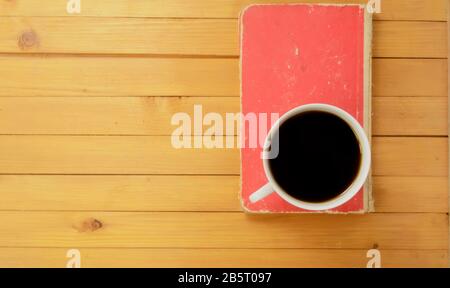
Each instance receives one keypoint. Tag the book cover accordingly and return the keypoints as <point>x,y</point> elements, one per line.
<point>297,54</point>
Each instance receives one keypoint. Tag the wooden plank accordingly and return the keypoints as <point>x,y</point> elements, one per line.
<point>435,10</point>
<point>219,258</point>
<point>120,193</point>
<point>410,194</point>
<point>410,39</point>
<point>409,77</point>
<point>152,115</point>
<point>222,230</point>
<point>392,156</point>
<point>104,115</point>
<point>119,36</point>
<point>409,116</point>
<point>112,76</point>
<point>111,155</point>
<point>187,193</point>
<point>425,156</point>
<point>118,76</point>
<point>187,36</point>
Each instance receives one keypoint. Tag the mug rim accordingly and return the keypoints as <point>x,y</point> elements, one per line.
<point>364,168</point>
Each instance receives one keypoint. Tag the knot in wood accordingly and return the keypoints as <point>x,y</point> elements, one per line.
<point>28,39</point>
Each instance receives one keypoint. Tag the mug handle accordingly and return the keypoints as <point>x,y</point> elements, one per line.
<point>261,193</point>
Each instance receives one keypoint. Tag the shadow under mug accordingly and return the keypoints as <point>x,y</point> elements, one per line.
<point>272,185</point>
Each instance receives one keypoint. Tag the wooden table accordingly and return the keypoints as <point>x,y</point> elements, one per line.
<point>86,160</point>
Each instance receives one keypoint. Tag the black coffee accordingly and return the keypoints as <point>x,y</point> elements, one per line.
<point>319,156</point>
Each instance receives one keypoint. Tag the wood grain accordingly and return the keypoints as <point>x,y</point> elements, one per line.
<point>111,155</point>
<point>152,115</point>
<point>435,10</point>
<point>448,107</point>
<point>410,39</point>
<point>111,76</point>
<point>219,258</point>
<point>392,156</point>
<point>120,36</point>
<point>409,116</point>
<point>410,194</point>
<point>218,37</point>
<point>424,156</point>
<point>104,115</point>
<point>188,193</point>
<point>222,230</point>
<point>46,75</point>
<point>409,77</point>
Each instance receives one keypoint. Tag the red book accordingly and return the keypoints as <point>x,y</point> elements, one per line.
<point>298,54</point>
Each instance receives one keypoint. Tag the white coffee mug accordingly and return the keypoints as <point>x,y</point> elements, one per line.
<point>354,187</point>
